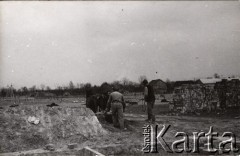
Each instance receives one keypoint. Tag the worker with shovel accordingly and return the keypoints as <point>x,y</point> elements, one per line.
<point>149,97</point>
<point>117,104</point>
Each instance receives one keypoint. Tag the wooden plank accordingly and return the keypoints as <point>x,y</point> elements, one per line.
<point>87,151</point>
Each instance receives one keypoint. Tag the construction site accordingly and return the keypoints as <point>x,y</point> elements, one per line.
<point>41,126</point>
<point>119,78</point>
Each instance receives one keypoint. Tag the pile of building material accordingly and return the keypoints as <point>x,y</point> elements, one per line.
<point>32,127</point>
<point>228,92</point>
<point>195,97</point>
<point>190,98</point>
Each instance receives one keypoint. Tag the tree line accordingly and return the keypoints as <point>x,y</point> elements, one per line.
<point>125,85</point>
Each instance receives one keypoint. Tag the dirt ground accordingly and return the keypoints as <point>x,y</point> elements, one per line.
<point>130,142</point>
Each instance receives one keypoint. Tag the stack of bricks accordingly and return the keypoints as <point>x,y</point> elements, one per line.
<point>194,97</point>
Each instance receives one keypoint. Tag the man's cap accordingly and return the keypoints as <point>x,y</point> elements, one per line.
<point>145,82</point>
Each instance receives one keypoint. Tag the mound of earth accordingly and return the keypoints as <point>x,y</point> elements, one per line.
<point>55,125</point>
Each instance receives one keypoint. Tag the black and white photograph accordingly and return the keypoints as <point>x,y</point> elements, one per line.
<point>87,78</point>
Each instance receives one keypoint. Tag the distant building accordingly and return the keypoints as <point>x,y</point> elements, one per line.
<point>187,82</point>
<point>234,79</point>
<point>210,82</point>
<point>159,86</point>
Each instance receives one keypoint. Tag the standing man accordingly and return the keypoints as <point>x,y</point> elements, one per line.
<point>91,99</point>
<point>117,104</point>
<point>149,97</point>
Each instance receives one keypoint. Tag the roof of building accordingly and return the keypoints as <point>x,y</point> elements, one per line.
<point>154,82</point>
<point>210,81</point>
<point>236,78</point>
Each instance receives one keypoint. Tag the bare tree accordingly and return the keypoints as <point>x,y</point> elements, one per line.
<point>125,81</point>
<point>87,85</point>
<point>116,83</point>
<point>24,90</point>
<point>59,87</point>
<point>42,87</point>
<point>33,88</point>
<point>141,78</point>
<point>48,88</point>
<point>71,85</point>
<point>78,85</point>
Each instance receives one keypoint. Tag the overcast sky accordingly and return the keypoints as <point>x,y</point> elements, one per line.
<point>52,43</point>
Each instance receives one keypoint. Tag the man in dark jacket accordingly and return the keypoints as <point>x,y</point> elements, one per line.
<point>149,97</point>
<point>91,100</point>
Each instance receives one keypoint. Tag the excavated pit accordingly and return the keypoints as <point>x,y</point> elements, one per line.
<point>59,125</point>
